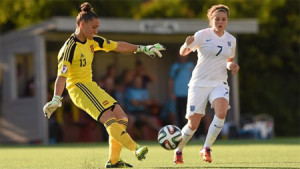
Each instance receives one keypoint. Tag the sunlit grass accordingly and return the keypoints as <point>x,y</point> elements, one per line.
<point>278,153</point>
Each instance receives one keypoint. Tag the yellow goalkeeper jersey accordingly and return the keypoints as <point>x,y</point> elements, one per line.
<point>75,58</point>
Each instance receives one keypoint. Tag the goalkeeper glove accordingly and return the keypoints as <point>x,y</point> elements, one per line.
<point>51,106</point>
<point>151,50</point>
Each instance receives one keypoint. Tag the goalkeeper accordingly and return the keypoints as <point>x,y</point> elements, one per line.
<point>75,72</point>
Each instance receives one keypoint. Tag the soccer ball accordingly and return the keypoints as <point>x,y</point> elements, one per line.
<point>169,137</point>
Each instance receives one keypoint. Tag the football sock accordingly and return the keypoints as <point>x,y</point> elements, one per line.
<point>187,134</point>
<point>115,131</point>
<point>213,131</point>
<point>114,146</point>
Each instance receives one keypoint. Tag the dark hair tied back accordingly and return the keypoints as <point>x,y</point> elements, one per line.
<point>86,7</point>
<point>87,13</point>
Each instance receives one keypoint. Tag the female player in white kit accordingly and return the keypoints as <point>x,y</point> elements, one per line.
<point>216,49</point>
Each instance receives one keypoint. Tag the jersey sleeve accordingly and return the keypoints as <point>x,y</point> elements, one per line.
<point>65,58</point>
<point>63,69</point>
<point>104,44</point>
<point>232,54</point>
<point>197,39</point>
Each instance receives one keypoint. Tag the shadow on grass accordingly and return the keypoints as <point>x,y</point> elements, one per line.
<point>225,167</point>
<point>275,141</point>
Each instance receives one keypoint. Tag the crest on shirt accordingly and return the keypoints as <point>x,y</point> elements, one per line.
<point>107,41</point>
<point>92,48</point>
<point>105,103</point>
<point>64,69</point>
<point>192,108</point>
<point>229,43</point>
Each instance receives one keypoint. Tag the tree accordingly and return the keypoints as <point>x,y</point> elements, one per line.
<point>15,14</point>
<point>269,78</point>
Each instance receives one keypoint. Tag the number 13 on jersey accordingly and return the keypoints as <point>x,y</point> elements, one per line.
<point>82,62</point>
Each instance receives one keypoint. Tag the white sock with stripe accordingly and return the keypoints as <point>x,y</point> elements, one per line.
<point>187,134</point>
<point>213,131</point>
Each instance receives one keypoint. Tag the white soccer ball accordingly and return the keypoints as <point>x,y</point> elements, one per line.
<point>169,137</point>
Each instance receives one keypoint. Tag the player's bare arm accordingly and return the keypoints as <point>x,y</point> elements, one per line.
<point>232,66</point>
<point>125,47</point>
<point>184,49</point>
<point>60,84</point>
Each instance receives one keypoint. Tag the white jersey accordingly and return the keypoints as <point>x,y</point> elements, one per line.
<point>213,52</point>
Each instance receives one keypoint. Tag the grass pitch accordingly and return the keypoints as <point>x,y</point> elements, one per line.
<point>275,153</point>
